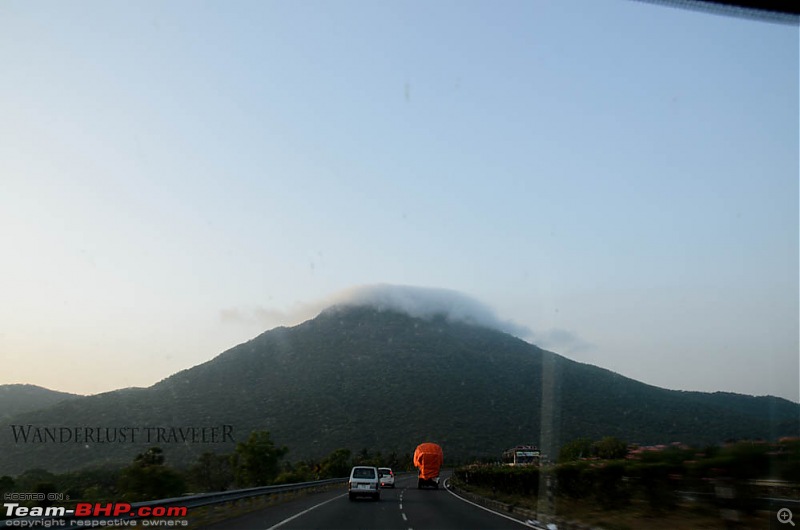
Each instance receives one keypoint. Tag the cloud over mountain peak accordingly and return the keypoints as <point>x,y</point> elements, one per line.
<point>418,302</point>
<point>426,302</point>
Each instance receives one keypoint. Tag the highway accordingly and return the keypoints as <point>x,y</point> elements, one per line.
<point>402,508</point>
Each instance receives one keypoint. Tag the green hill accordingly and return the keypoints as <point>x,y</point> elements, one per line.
<point>17,399</point>
<point>358,377</point>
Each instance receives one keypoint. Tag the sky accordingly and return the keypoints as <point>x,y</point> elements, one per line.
<point>615,180</point>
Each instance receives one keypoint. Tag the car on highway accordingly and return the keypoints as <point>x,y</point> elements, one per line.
<point>364,480</point>
<point>386,476</point>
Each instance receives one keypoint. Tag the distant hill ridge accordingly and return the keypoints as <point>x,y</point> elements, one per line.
<point>18,398</point>
<point>358,377</point>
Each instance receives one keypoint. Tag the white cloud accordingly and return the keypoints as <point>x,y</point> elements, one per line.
<point>426,302</point>
<point>420,302</point>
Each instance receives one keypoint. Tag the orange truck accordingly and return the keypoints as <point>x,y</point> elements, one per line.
<point>428,459</point>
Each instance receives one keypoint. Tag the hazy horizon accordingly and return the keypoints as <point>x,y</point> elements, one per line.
<point>418,302</point>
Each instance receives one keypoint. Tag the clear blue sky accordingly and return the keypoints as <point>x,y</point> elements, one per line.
<point>621,178</point>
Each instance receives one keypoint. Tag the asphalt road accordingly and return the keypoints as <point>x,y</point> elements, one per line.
<point>402,508</point>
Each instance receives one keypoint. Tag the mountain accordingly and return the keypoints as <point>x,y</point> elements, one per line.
<point>16,399</point>
<point>359,377</point>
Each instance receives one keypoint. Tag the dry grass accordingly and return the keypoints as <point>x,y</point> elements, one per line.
<point>637,515</point>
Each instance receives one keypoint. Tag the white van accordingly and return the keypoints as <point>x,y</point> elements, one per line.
<point>364,480</point>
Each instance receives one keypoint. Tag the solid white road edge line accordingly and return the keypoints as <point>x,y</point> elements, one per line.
<point>459,497</point>
<point>295,516</point>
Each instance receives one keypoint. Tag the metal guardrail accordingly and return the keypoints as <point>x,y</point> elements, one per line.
<point>204,499</point>
<point>196,501</point>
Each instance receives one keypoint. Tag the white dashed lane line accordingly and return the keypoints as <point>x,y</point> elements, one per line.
<point>402,514</point>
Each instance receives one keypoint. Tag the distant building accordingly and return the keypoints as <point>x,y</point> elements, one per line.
<point>522,455</point>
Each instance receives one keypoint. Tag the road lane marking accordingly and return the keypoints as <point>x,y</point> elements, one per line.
<point>295,516</point>
<point>404,517</point>
<point>523,523</point>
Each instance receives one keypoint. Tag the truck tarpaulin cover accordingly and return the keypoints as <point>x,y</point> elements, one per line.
<point>428,459</point>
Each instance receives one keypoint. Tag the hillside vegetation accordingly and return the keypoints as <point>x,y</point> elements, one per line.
<point>356,377</point>
<point>18,399</point>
